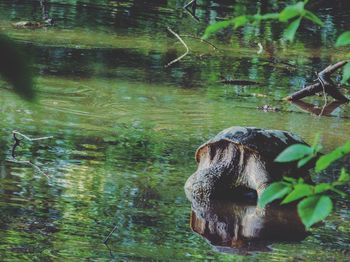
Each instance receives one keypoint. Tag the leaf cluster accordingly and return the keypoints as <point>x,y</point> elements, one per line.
<point>292,13</point>
<point>315,201</point>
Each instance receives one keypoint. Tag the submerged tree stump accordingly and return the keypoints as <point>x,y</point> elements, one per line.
<point>324,84</point>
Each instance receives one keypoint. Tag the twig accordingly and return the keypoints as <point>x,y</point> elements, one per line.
<point>182,42</point>
<point>109,235</point>
<point>320,79</point>
<point>28,138</point>
<point>192,12</point>
<point>202,40</point>
<point>17,143</point>
<point>28,163</point>
<point>324,84</point>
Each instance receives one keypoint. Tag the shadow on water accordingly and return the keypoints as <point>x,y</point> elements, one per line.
<point>243,227</point>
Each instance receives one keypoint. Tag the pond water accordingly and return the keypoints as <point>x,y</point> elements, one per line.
<point>125,128</point>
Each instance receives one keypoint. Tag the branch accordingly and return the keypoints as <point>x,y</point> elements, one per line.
<point>182,42</point>
<point>202,40</point>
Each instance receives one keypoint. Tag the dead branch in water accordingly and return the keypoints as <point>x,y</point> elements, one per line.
<point>191,8</point>
<point>17,143</point>
<point>325,85</point>
<point>109,235</point>
<point>183,43</point>
<point>324,111</point>
<point>26,162</point>
<point>201,40</point>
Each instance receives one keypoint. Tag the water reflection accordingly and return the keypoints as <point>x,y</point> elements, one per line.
<point>243,227</point>
<point>325,110</point>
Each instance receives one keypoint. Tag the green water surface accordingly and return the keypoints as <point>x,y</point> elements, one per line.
<point>125,128</point>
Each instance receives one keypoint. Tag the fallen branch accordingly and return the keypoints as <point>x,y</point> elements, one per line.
<point>25,162</point>
<point>193,5</point>
<point>325,85</point>
<point>109,235</point>
<point>201,40</point>
<point>183,43</point>
<point>239,82</point>
<point>17,143</point>
<point>324,111</point>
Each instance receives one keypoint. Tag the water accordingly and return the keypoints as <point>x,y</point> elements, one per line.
<point>125,128</point>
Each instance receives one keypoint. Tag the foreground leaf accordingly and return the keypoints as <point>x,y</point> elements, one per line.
<point>291,30</point>
<point>216,27</point>
<point>299,192</point>
<point>312,17</point>
<point>294,152</point>
<point>324,161</point>
<point>314,209</point>
<point>274,191</point>
<point>346,73</point>
<point>291,11</point>
<point>343,39</point>
<point>15,67</point>
<point>344,176</point>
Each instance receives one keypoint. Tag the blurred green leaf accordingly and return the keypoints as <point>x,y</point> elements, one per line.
<point>290,179</point>
<point>324,161</point>
<point>344,176</point>
<point>274,191</point>
<point>15,67</point>
<point>289,32</point>
<point>269,16</point>
<point>314,209</point>
<point>312,17</point>
<point>343,39</point>
<point>323,187</point>
<point>302,162</point>
<point>291,11</point>
<point>294,152</point>
<point>346,73</point>
<point>298,192</point>
<point>216,27</point>
<point>240,21</point>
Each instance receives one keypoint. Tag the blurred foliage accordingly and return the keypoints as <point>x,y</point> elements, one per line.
<point>295,12</point>
<point>316,203</point>
<point>15,67</point>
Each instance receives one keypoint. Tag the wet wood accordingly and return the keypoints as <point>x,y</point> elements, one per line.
<point>324,84</point>
<point>239,82</point>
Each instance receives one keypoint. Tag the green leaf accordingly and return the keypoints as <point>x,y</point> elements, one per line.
<point>274,191</point>
<point>312,17</point>
<point>240,21</point>
<point>343,39</point>
<point>314,209</point>
<point>270,16</point>
<point>299,191</point>
<point>290,31</point>
<point>324,161</point>
<point>15,67</point>
<point>344,176</point>
<point>294,152</point>
<point>323,187</point>
<point>216,27</point>
<point>291,11</point>
<point>304,161</point>
<point>346,73</point>
<point>290,179</point>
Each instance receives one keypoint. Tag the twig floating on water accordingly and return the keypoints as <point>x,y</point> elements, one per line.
<point>28,138</point>
<point>17,143</point>
<point>109,235</point>
<point>183,43</point>
<point>202,40</point>
<point>239,82</point>
<point>28,163</point>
